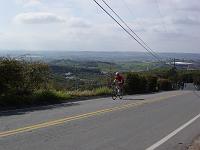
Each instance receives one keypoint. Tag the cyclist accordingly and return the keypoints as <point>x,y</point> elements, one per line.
<point>118,86</point>
<point>119,80</point>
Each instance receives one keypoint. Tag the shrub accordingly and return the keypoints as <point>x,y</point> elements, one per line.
<point>164,84</point>
<point>187,77</point>
<point>152,83</point>
<point>11,75</point>
<point>196,79</point>
<point>21,77</point>
<point>15,101</point>
<point>135,83</point>
<point>38,75</point>
<point>38,97</point>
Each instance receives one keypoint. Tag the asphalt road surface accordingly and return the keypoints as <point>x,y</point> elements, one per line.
<point>163,121</point>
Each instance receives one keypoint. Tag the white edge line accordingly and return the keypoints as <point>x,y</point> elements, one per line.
<point>159,143</point>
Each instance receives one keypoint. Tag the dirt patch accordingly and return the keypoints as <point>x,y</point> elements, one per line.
<point>195,145</point>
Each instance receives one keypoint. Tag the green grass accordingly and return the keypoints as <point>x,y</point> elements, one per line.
<point>87,93</point>
<point>77,93</point>
<point>103,91</point>
<point>50,96</point>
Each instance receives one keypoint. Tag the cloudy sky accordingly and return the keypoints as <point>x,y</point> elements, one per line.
<point>166,25</point>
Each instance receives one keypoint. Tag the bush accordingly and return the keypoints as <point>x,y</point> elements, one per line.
<point>135,83</point>
<point>152,83</point>
<point>164,84</point>
<point>196,79</point>
<point>187,77</point>
<point>15,101</point>
<point>11,75</point>
<point>21,77</point>
<point>37,98</point>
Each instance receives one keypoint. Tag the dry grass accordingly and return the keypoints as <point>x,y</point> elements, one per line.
<point>88,93</point>
<point>81,93</point>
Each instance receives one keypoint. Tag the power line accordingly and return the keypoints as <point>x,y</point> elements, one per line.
<point>125,30</point>
<point>120,18</point>
<point>132,14</point>
<point>159,10</point>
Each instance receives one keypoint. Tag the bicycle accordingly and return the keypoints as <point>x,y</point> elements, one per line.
<point>117,92</point>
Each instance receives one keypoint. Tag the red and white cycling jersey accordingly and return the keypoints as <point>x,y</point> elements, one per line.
<point>119,79</point>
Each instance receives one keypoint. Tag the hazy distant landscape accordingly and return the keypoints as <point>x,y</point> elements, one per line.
<point>108,56</point>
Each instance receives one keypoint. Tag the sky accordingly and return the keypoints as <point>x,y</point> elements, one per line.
<point>72,25</point>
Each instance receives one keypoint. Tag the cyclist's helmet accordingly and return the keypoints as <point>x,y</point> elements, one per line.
<point>117,73</point>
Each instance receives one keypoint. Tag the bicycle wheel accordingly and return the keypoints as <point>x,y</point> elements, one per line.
<point>120,94</point>
<point>114,94</point>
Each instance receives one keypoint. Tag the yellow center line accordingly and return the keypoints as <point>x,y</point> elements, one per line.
<point>78,117</point>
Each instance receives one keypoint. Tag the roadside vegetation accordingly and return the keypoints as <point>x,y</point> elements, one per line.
<point>28,83</point>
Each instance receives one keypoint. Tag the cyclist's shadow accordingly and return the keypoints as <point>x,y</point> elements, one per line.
<point>134,99</point>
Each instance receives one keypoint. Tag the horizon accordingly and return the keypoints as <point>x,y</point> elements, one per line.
<point>106,51</point>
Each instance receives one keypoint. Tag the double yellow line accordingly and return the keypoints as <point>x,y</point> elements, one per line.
<point>77,117</point>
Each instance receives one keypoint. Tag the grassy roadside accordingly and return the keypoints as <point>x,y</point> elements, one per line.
<point>44,97</point>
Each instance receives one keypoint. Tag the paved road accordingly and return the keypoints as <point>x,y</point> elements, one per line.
<point>163,121</point>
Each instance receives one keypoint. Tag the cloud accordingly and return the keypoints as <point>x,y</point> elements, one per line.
<point>78,23</point>
<point>38,18</point>
<point>187,20</point>
<point>29,3</point>
<point>183,6</point>
<point>48,18</point>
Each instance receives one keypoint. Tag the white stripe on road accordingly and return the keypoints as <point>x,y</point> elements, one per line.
<point>159,143</point>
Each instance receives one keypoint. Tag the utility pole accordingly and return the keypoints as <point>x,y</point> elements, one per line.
<point>174,63</point>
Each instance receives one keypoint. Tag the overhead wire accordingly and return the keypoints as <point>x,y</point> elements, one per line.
<point>140,43</point>
<point>120,18</point>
